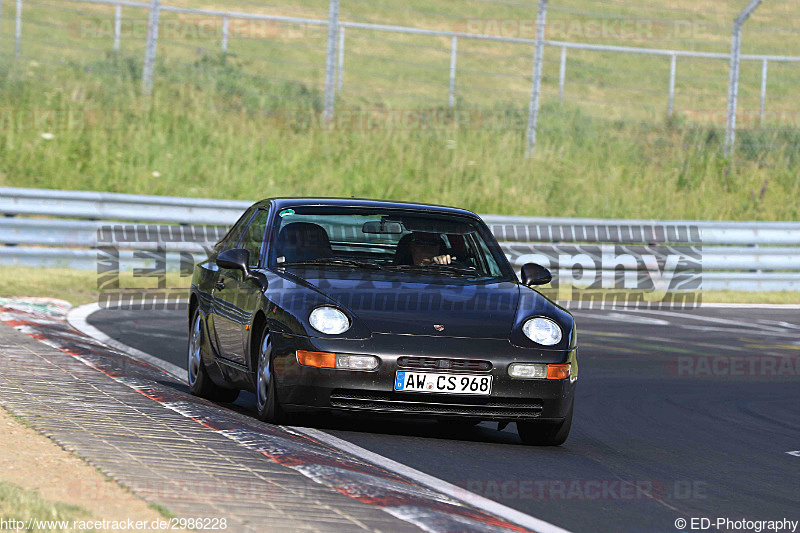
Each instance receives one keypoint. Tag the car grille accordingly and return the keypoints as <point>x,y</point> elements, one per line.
<point>484,407</point>
<point>438,363</point>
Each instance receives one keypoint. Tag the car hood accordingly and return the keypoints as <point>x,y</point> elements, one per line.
<point>460,308</point>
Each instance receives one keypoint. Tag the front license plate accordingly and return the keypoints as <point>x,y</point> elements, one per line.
<point>443,383</point>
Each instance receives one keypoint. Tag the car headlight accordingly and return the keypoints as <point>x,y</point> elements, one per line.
<point>329,320</point>
<point>542,331</point>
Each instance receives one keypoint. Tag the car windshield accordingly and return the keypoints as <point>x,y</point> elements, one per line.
<point>390,240</point>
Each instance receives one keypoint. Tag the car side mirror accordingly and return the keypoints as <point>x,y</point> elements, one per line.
<point>239,259</point>
<point>235,259</point>
<point>533,274</point>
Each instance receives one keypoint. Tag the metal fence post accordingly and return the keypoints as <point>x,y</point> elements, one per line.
<point>451,98</point>
<point>533,110</point>
<point>672,65</point>
<point>18,30</point>
<point>763,90</point>
<point>225,34</point>
<point>562,73</point>
<point>733,83</point>
<point>117,25</point>
<point>330,61</point>
<point>340,69</point>
<point>150,48</point>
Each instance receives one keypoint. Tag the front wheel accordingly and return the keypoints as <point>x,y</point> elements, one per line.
<point>200,383</point>
<point>267,405</point>
<point>535,433</point>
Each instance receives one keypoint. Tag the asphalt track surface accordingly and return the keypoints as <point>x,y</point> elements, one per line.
<point>681,414</point>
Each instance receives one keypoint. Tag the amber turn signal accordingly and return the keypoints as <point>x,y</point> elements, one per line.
<point>318,359</point>
<point>558,371</point>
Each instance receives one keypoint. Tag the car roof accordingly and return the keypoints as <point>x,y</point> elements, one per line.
<point>285,202</point>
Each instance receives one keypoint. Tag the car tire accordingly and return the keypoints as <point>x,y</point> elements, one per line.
<point>200,383</point>
<point>268,408</point>
<point>535,433</point>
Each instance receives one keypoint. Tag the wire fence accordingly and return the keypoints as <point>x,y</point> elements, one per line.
<point>386,60</point>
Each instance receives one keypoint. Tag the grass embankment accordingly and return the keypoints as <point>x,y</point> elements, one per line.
<point>211,141</point>
<point>21,505</point>
<point>215,126</point>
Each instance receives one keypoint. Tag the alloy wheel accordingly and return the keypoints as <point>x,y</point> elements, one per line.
<point>194,350</point>
<point>264,371</point>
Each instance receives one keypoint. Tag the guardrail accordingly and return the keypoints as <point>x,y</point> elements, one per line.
<point>76,229</point>
<point>114,206</point>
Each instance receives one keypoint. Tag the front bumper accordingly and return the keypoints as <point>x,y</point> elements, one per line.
<point>303,388</point>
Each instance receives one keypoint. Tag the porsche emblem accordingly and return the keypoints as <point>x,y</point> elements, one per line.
<point>438,327</point>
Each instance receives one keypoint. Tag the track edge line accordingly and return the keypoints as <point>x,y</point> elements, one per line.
<point>77,318</point>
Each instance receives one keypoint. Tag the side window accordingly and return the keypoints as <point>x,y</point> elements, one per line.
<point>232,237</point>
<point>254,237</point>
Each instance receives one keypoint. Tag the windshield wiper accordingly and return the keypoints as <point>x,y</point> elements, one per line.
<point>444,269</point>
<point>334,261</point>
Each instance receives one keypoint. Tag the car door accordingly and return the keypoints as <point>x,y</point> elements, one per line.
<point>235,298</point>
<point>223,320</point>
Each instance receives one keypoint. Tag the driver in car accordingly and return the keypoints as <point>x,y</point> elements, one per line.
<point>425,249</point>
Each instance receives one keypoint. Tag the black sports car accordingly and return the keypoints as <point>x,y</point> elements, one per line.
<point>359,305</point>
